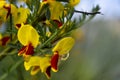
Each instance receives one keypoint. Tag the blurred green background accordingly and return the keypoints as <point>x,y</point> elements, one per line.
<point>96,56</point>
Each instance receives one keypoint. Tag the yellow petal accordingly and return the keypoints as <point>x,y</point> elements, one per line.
<point>44,63</point>
<point>0,36</point>
<point>74,2</point>
<point>21,15</point>
<point>2,3</point>
<point>27,34</point>
<point>13,9</point>
<point>38,63</point>
<point>35,70</point>
<point>33,61</point>
<point>26,57</point>
<point>27,66</point>
<point>56,9</point>
<point>64,45</point>
<point>3,11</point>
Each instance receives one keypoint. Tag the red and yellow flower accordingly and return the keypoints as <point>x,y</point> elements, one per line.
<point>37,64</point>
<point>62,47</point>
<point>7,9</point>
<point>4,11</point>
<point>29,38</point>
<point>56,11</point>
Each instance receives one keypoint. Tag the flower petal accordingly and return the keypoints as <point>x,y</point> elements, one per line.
<point>54,62</point>
<point>4,40</point>
<point>33,61</point>
<point>74,2</point>
<point>59,24</point>
<point>13,9</point>
<point>2,3</point>
<point>64,45</point>
<point>47,73</point>
<point>3,11</point>
<point>26,57</point>
<point>30,50</point>
<point>44,63</point>
<point>35,70</point>
<point>56,7</point>
<point>27,34</point>
<point>22,50</point>
<point>21,15</point>
<point>0,36</point>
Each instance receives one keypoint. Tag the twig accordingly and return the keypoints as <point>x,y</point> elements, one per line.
<point>88,13</point>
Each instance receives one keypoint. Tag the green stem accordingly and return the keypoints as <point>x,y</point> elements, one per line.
<point>39,48</point>
<point>12,52</point>
<point>40,16</point>
<point>11,27</point>
<point>3,53</point>
<point>11,69</point>
<point>50,39</point>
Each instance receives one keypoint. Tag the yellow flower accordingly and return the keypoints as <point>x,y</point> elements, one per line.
<point>56,9</point>
<point>20,16</point>
<point>4,11</point>
<point>62,47</point>
<point>29,38</point>
<point>74,2</point>
<point>38,64</point>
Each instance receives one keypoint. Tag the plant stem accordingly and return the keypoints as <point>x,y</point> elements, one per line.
<point>11,27</point>
<point>51,38</point>
<point>3,53</point>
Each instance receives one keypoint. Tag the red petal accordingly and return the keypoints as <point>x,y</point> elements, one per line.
<point>22,50</point>
<point>48,74</point>
<point>27,50</point>
<point>5,40</point>
<point>54,62</point>
<point>18,25</point>
<point>58,23</point>
<point>8,9</point>
<point>30,50</point>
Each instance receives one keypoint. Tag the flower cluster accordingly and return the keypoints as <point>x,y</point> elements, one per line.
<point>40,31</point>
